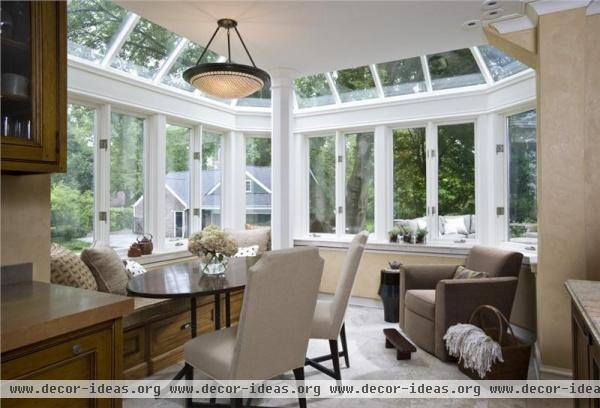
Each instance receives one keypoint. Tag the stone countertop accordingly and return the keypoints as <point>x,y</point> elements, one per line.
<point>36,311</point>
<point>586,297</point>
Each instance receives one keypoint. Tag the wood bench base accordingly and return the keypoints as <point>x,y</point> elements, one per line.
<point>394,339</point>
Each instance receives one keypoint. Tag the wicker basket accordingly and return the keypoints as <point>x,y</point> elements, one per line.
<point>515,352</point>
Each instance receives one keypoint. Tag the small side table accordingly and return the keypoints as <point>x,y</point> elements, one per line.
<point>389,291</point>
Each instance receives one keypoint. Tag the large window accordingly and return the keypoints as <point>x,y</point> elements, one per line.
<point>126,180</point>
<point>454,69</point>
<point>499,64</point>
<point>402,77</point>
<point>177,185</point>
<point>72,194</point>
<point>313,91</point>
<point>409,172</point>
<point>321,205</point>
<point>360,182</point>
<point>211,178</point>
<point>355,84</point>
<point>456,181</point>
<point>258,181</point>
<point>522,177</point>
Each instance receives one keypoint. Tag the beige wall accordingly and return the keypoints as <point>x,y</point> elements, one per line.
<point>367,280</point>
<point>25,219</point>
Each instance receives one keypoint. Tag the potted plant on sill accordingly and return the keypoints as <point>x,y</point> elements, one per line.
<point>420,235</point>
<point>394,233</point>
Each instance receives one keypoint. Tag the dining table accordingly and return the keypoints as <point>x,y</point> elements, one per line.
<point>187,280</point>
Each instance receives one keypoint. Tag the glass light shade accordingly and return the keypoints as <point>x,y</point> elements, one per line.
<point>225,80</point>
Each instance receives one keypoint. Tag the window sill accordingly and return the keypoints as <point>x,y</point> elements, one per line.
<point>435,248</point>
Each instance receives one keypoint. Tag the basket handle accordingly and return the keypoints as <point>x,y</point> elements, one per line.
<point>501,320</point>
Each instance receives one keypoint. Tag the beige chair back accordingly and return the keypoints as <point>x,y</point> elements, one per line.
<point>277,313</point>
<point>496,262</point>
<point>346,282</point>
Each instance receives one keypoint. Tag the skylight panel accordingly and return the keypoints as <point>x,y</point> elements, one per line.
<point>499,64</point>
<point>260,99</point>
<point>147,47</point>
<point>454,69</point>
<point>188,57</point>
<point>355,84</point>
<point>91,26</point>
<point>313,91</point>
<point>402,77</point>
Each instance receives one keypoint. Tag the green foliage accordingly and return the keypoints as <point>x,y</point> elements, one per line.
<point>452,63</point>
<point>126,159</point>
<point>312,86</point>
<point>360,182</point>
<point>71,214</point>
<point>258,151</point>
<point>121,218</point>
<point>400,72</point>
<point>409,173</point>
<point>523,164</point>
<point>178,148</point>
<point>322,184</point>
<point>355,78</point>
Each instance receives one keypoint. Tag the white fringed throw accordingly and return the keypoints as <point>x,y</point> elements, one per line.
<point>473,347</point>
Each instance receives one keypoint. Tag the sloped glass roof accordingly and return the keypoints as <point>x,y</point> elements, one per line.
<point>105,34</point>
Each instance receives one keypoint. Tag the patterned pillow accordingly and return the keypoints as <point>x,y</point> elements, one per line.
<point>246,251</point>
<point>464,273</point>
<point>133,268</point>
<point>66,268</point>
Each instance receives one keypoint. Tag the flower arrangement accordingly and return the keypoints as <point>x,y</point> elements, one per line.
<point>211,243</point>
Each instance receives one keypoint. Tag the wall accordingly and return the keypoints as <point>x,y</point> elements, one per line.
<point>367,280</point>
<point>25,219</point>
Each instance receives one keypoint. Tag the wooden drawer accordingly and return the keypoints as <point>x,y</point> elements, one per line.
<point>236,306</point>
<point>134,347</point>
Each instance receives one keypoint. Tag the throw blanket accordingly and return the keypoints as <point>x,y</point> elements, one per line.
<point>475,349</point>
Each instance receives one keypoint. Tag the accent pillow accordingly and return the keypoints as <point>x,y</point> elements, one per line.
<point>246,238</point>
<point>133,268</point>
<point>66,268</point>
<point>108,269</point>
<point>246,251</point>
<point>464,273</point>
<point>261,227</point>
<point>455,225</point>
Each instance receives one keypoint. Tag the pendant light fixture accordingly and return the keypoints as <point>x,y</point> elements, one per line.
<point>226,80</point>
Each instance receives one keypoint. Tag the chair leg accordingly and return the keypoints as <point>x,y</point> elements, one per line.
<point>236,403</point>
<point>335,358</point>
<point>213,401</point>
<point>299,376</point>
<point>345,346</point>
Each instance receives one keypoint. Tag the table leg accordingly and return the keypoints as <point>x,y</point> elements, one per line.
<point>227,309</point>
<point>185,371</point>
<point>193,316</point>
<point>217,311</point>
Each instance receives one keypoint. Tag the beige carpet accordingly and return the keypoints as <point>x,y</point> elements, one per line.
<point>369,359</point>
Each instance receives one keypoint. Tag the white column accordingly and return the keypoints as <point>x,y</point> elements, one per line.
<point>281,158</point>
<point>340,184</point>
<point>301,193</point>
<point>233,207</point>
<point>487,164</point>
<point>384,183</point>
<point>102,172</point>
<point>196,179</point>
<point>154,192</point>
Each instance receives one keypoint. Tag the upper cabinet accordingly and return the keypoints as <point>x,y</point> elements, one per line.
<point>34,86</point>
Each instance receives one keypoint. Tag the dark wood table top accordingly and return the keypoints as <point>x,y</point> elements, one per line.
<point>186,279</point>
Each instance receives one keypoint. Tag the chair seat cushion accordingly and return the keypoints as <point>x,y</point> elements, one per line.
<point>321,326</point>
<point>421,302</point>
<point>212,353</point>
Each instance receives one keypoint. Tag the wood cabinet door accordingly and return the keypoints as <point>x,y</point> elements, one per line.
<point>34,135</point>
<point>77,358</point>
<point>594,370</point>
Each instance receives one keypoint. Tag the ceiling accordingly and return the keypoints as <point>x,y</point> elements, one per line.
<point>310,37</point>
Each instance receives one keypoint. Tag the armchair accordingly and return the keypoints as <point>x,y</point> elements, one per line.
<point>431,300</point>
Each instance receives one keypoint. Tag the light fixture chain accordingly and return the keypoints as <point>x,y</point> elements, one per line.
<point>244,45</point>
<point>208,45</point>
<point>228,47</point>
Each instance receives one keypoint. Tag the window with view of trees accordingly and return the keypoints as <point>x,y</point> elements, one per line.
<point>211,178</point>
<point>321,156</point>
<point>456,181</point>
<point>402,77</point>
<point>355,84</point>
<point>258,181</point>
<point>454,69</point>
<point>188,57</point>
<point>72,194</point>
<point>410,165</point>
<point>360,182</point>
<point>126,179</point>
<point>313,91</point>
<point>177,184</point>
<point>522,177</point>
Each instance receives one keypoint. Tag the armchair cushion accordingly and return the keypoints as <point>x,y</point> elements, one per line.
<point>421,302</point>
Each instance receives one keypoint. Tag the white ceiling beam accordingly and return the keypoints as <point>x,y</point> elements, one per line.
<point>331,82</point>
<point>425,68</point>
<point>377,80</point>
<point>119,39</point>
<point>166,66</point>
<point>482,66</point>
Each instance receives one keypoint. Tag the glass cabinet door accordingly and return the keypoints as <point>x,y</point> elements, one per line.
<point>17,106</point>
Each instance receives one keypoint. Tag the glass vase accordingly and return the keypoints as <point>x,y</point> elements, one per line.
<point>214,264</point>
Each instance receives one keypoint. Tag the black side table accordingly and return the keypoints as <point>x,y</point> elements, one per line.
<point>389,291</point>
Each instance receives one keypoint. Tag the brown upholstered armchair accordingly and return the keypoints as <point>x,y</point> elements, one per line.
<point>431,300</point>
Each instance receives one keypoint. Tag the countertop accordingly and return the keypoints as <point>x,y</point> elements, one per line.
<point>586,296</point>
<point>36,311</point>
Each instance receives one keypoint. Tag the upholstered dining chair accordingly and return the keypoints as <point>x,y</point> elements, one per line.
<point>433,299</point>
<point>328,322</point>
<point>275,322</point>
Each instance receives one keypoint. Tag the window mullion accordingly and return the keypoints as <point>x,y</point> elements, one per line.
<point>196,179</point>
<point>383,182</point>
<point>154,182</point>
<point>102,174</point>
<point>377,80</point>
<point>431,146</point>
<point>426,73</point>
<point>482,67</point>
<point>120,39</point>
<point>333,88</point>
<point>340,185</point>
<point>166,66</point>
